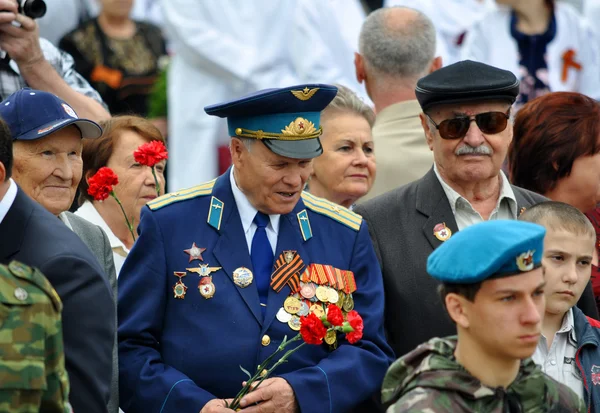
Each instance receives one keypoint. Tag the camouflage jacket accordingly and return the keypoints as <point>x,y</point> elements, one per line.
<point>429,379</point>
<point>32,364</point>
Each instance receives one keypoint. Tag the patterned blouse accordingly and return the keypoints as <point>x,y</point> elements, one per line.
<point>122,70</point>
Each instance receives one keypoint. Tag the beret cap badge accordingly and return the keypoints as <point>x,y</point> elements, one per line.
<point>525,261</point>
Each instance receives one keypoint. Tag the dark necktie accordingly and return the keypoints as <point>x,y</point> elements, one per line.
<point>262,258</point>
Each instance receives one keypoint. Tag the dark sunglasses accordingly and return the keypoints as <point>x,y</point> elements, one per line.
<point>489,123</point>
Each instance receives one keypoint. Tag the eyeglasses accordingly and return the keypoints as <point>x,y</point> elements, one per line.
<point>488,122</point>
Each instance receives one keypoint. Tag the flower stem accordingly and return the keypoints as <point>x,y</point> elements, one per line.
<point>155,181</point>
<point>235,404</point>
<point>129,224</point>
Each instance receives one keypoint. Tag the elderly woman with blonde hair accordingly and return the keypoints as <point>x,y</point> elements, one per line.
<point>346,170</point>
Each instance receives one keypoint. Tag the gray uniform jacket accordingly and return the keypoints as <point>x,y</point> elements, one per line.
<point>97,241</point>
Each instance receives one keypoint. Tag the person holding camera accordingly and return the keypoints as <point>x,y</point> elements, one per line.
<point>34,62</point>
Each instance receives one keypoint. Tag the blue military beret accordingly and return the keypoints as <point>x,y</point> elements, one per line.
<point>32,114</point>
<point>466,81</point>
<point>286,120</point>
<point>487,250</point>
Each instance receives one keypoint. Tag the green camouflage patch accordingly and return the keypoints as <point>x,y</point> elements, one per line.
<point>32,364</point>
<point>429,379</point>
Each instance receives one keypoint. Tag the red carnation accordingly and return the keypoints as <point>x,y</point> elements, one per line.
<point>334,315</point>
<point>312,329</point>
<point>150,153</point>
<point>101,184</point>
<point>356,322</point>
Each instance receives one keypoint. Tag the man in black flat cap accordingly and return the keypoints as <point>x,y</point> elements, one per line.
<point>466,118</point>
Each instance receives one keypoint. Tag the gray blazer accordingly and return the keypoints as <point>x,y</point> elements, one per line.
<point>96,240</point>
<point>401,226</point>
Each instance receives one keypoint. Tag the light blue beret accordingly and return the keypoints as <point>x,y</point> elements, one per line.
<point>488,249</point>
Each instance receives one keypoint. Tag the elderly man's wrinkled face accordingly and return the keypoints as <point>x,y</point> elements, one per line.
<point>272,183</point>
<point>475,157</point>
<point>49,169</point>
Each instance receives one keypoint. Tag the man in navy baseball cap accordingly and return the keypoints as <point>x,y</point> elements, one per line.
<point>47,146</point>
<point>33,114</point>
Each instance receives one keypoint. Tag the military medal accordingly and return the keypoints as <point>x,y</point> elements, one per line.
<point>283,316</point>
<point>294,323</point>
<point>288,256</point>
<point>242,277</point>
<point>307,291</point>
<point>317,309</point>
<point>195,252</point>
<point>442,232</point>
<point>331,337</point>
<point>179,289</point>
<point>348,303</point>
<point>206,287</point>
<point>322,294</point>
<point>292,305</point>
<point>203,270</point>
<point>304,309</point>
<point>332,296</point>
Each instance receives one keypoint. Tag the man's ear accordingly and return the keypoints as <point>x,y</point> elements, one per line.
<point>359,67</point>
<point>2,173</point>
<point>236,149</point>
<point>458,309</point>
<point>436,64</point>
<point>428,132</point>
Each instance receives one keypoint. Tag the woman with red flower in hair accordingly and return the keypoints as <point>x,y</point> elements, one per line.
<point>140,172</point>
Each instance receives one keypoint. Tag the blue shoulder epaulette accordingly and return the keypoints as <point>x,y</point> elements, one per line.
<point>334,211</point>
<point>171,198</point>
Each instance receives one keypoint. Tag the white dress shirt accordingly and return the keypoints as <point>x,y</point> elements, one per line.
<point>248,212</point>
<point>559,361</point>
<point>464,213</point>
<point>8,199</point>
<point>88,212</point>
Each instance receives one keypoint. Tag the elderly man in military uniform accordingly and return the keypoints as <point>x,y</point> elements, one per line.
<point>493,290</point>
<point>206,288</point>
<point>32,330</point>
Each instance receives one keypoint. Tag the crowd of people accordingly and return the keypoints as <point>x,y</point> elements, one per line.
<point>370,206</point>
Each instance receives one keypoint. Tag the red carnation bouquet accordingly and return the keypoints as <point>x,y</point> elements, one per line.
<point>101,186</point>
<point>150,154</point>
<point>313,330</point>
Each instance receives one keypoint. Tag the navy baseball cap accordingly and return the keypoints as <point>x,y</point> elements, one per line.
<point>32,114</point>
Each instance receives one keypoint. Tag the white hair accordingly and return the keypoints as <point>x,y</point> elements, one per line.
<point>404,49</point>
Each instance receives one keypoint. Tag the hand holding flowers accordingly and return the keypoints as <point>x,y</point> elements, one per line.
<point>313,330</point>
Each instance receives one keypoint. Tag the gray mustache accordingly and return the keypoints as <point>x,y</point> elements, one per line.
<point>470,150</point>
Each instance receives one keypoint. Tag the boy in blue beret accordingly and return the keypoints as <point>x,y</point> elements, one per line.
<point>568,348</point>
<point>493,290</point>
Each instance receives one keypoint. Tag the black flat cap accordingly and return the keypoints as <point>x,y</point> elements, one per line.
<point>466,81</point>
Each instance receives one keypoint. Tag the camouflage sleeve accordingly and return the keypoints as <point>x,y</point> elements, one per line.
<point>562,399</point>
<point>423,400</point>
<point>56,396</point>
<point>32,369</point>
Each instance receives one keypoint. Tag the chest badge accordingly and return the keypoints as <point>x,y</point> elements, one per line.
<point>242,277</point>
<point>195,252</point>
<point>179,289</point>
<point>442,232</point>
